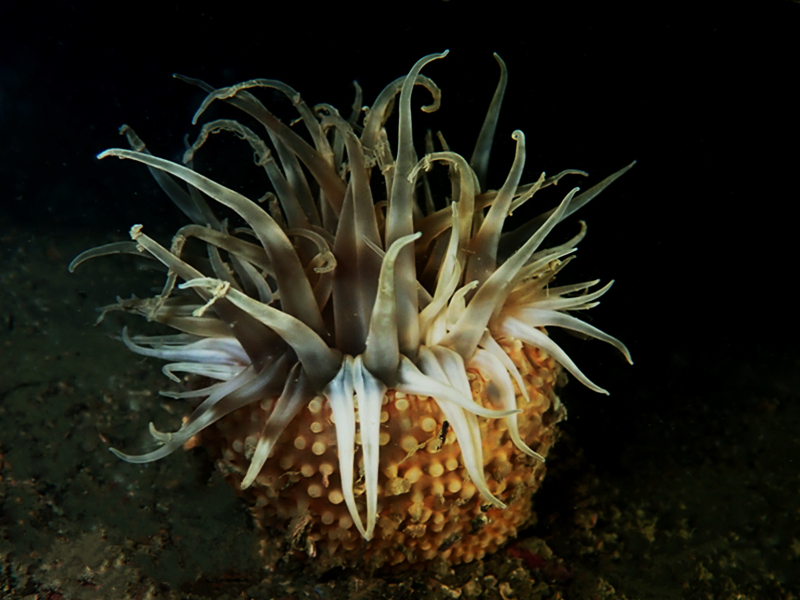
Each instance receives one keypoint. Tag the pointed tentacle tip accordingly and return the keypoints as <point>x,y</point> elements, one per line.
<point>109,152</point>
<point>120,455</point>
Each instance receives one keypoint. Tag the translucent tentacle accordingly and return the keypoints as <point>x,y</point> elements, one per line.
<point>412,380</point>
<point>295,290</point>
<point>207,413</point>
<point>382,354</point>
<point>339,393</point>
<point>320,360</point>
<point>294,397</point>
<point>463,423</point>
<point>512,327</point>
<point>399,220</point>
<point>537,317</point>
<point>466,334</point>
<point>494,368</point>
<point>370,391</point>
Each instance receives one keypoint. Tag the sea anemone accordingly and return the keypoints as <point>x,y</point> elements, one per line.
<point>366,354</point>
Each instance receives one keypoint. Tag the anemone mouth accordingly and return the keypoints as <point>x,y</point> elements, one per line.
<point>325,294</point>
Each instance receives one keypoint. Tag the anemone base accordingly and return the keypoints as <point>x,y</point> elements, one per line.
<point>427,505</point>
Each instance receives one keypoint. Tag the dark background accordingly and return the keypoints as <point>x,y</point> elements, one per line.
<point>700,236</point>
